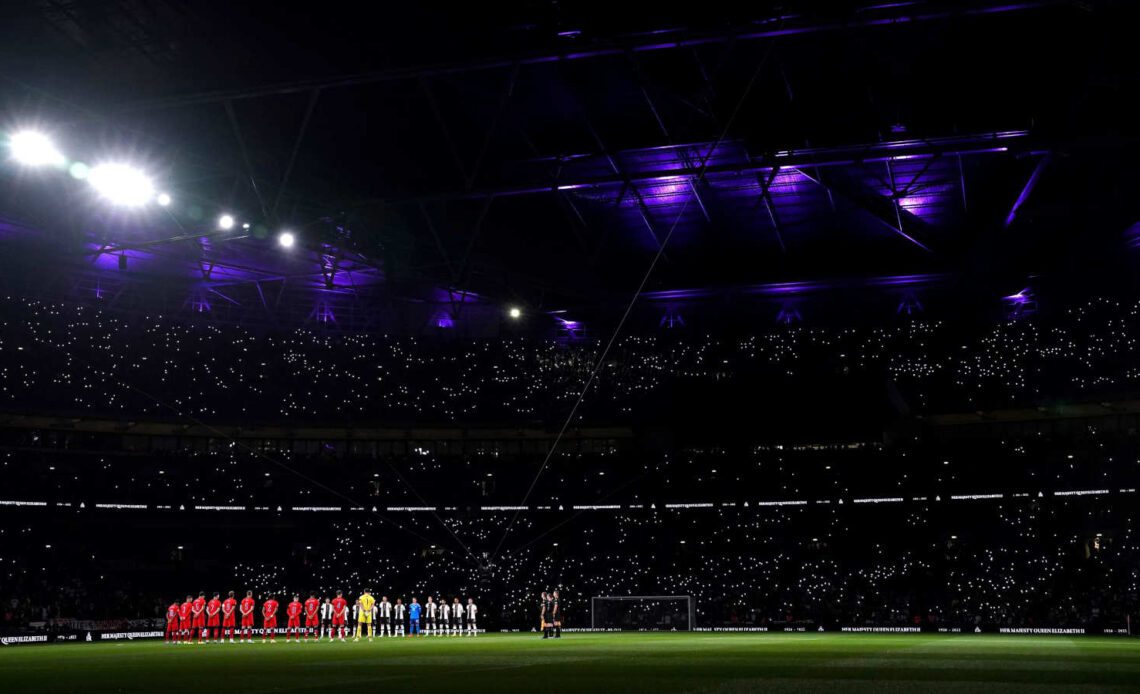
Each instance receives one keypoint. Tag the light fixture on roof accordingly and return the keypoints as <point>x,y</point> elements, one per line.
<point>226,221</point>
<point>515,312</point>
<point>163,199</point>
<point>33,148</point>
<point>286,239</point>
<point>121,184</point>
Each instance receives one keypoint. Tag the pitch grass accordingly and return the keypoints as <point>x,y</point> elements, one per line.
<point>591,663</point>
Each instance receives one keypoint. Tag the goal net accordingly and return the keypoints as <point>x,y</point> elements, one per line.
<point>642,612</point>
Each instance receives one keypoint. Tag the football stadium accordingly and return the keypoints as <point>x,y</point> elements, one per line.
<point>553,345</point>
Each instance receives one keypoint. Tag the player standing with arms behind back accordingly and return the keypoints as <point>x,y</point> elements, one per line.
<point>214,617</point>
<point>471,612</point>
<point>340,614</point>
<point>248,605</point>
<point>326,620</point>
<point>229,614</point>
<point>293,614</point>
<point>444,617</point>
<point>414,618</point>
<point>384,618</point>
<point>312,616</point>
<point>172,623</point>
<point>186,619</point>
<point>430,609</point>
<point>269,620</point>
<point>399,612</point>
<point>557,613</point>
<point>198,611</point>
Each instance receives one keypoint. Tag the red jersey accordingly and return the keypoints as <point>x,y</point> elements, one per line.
<point>228,607</point>
<point>294,609</point>
<point>199,605</point>
<point>213,607</point>
<point>184,612</point>
<point>247,606</point>
<point>312,606</point>
<point>269,608</point>
<point>173,612</point>
<point>339,606</point>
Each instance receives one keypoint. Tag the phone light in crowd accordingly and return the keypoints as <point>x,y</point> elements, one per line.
<point>286,239</point>
<point>164,199</point>
<point>121,184</point>
<point>32,148</point>
<point>226,222</point>
<point>515,312</point>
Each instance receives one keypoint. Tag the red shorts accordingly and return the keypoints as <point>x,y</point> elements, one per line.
<point>185,624</point>
<point>338,621</point>
<point>171,626</point>
<point>270,623</point>
<point>200,621</point>
<point>294,622</point>
<point>229,621</point>
<point>213,621</point>
<point>247,620</point>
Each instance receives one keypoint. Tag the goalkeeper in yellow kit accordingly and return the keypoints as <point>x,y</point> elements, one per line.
<point>366,606</point>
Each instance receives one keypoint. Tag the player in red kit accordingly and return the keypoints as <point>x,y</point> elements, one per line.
<point>214,618</point>
<point>229,613</point>
<point>172,613</point>
<point>293,612</point>
<point>269,620</point>
<point>186,619</point>
<point>199,613</point>
<point>312,616</point>
<point>340,611</point>
<point>247,607</point>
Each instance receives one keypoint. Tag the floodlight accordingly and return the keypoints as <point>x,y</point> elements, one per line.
<point>226,222</point>
<point>286,239</point>
<point>164,199</point>
<point>121,184</point>
<point>515,312</point>
<point>33,148</point>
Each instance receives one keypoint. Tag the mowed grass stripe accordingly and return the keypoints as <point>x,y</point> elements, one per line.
<point>629,663</point>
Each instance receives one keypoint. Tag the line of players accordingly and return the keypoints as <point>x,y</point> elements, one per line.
<point>216,618</point>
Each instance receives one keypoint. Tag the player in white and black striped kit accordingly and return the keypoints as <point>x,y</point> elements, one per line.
<point>432,610</point>
<point>384,613</point>
<point>325,613</point>
<point>456,618</point>
<point>399,612</point>
<point>444,617</point>
<point>471,612</point>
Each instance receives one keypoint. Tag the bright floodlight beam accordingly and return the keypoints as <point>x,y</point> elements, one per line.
<point>226,222</point>
<point>515,312</point>
<point>32,148</point>
<point>163,199</point>
<point>121,184</point>
<point>286,239</point>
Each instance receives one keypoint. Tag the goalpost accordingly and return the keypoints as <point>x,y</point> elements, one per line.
<point>643,612</point>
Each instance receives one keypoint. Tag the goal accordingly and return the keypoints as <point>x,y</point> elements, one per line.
<point>643,612</point>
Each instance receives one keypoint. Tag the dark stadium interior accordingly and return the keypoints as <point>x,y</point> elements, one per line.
<point>881,366</point>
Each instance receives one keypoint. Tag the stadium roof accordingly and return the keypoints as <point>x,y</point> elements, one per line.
<point>541,153</point>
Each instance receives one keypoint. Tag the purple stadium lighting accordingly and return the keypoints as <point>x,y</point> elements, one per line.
<point>1021,304</point>
<point>671,319</point>
<point>788,313</point>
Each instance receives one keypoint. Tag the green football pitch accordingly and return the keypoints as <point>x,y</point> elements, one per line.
<point>590,663</point>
